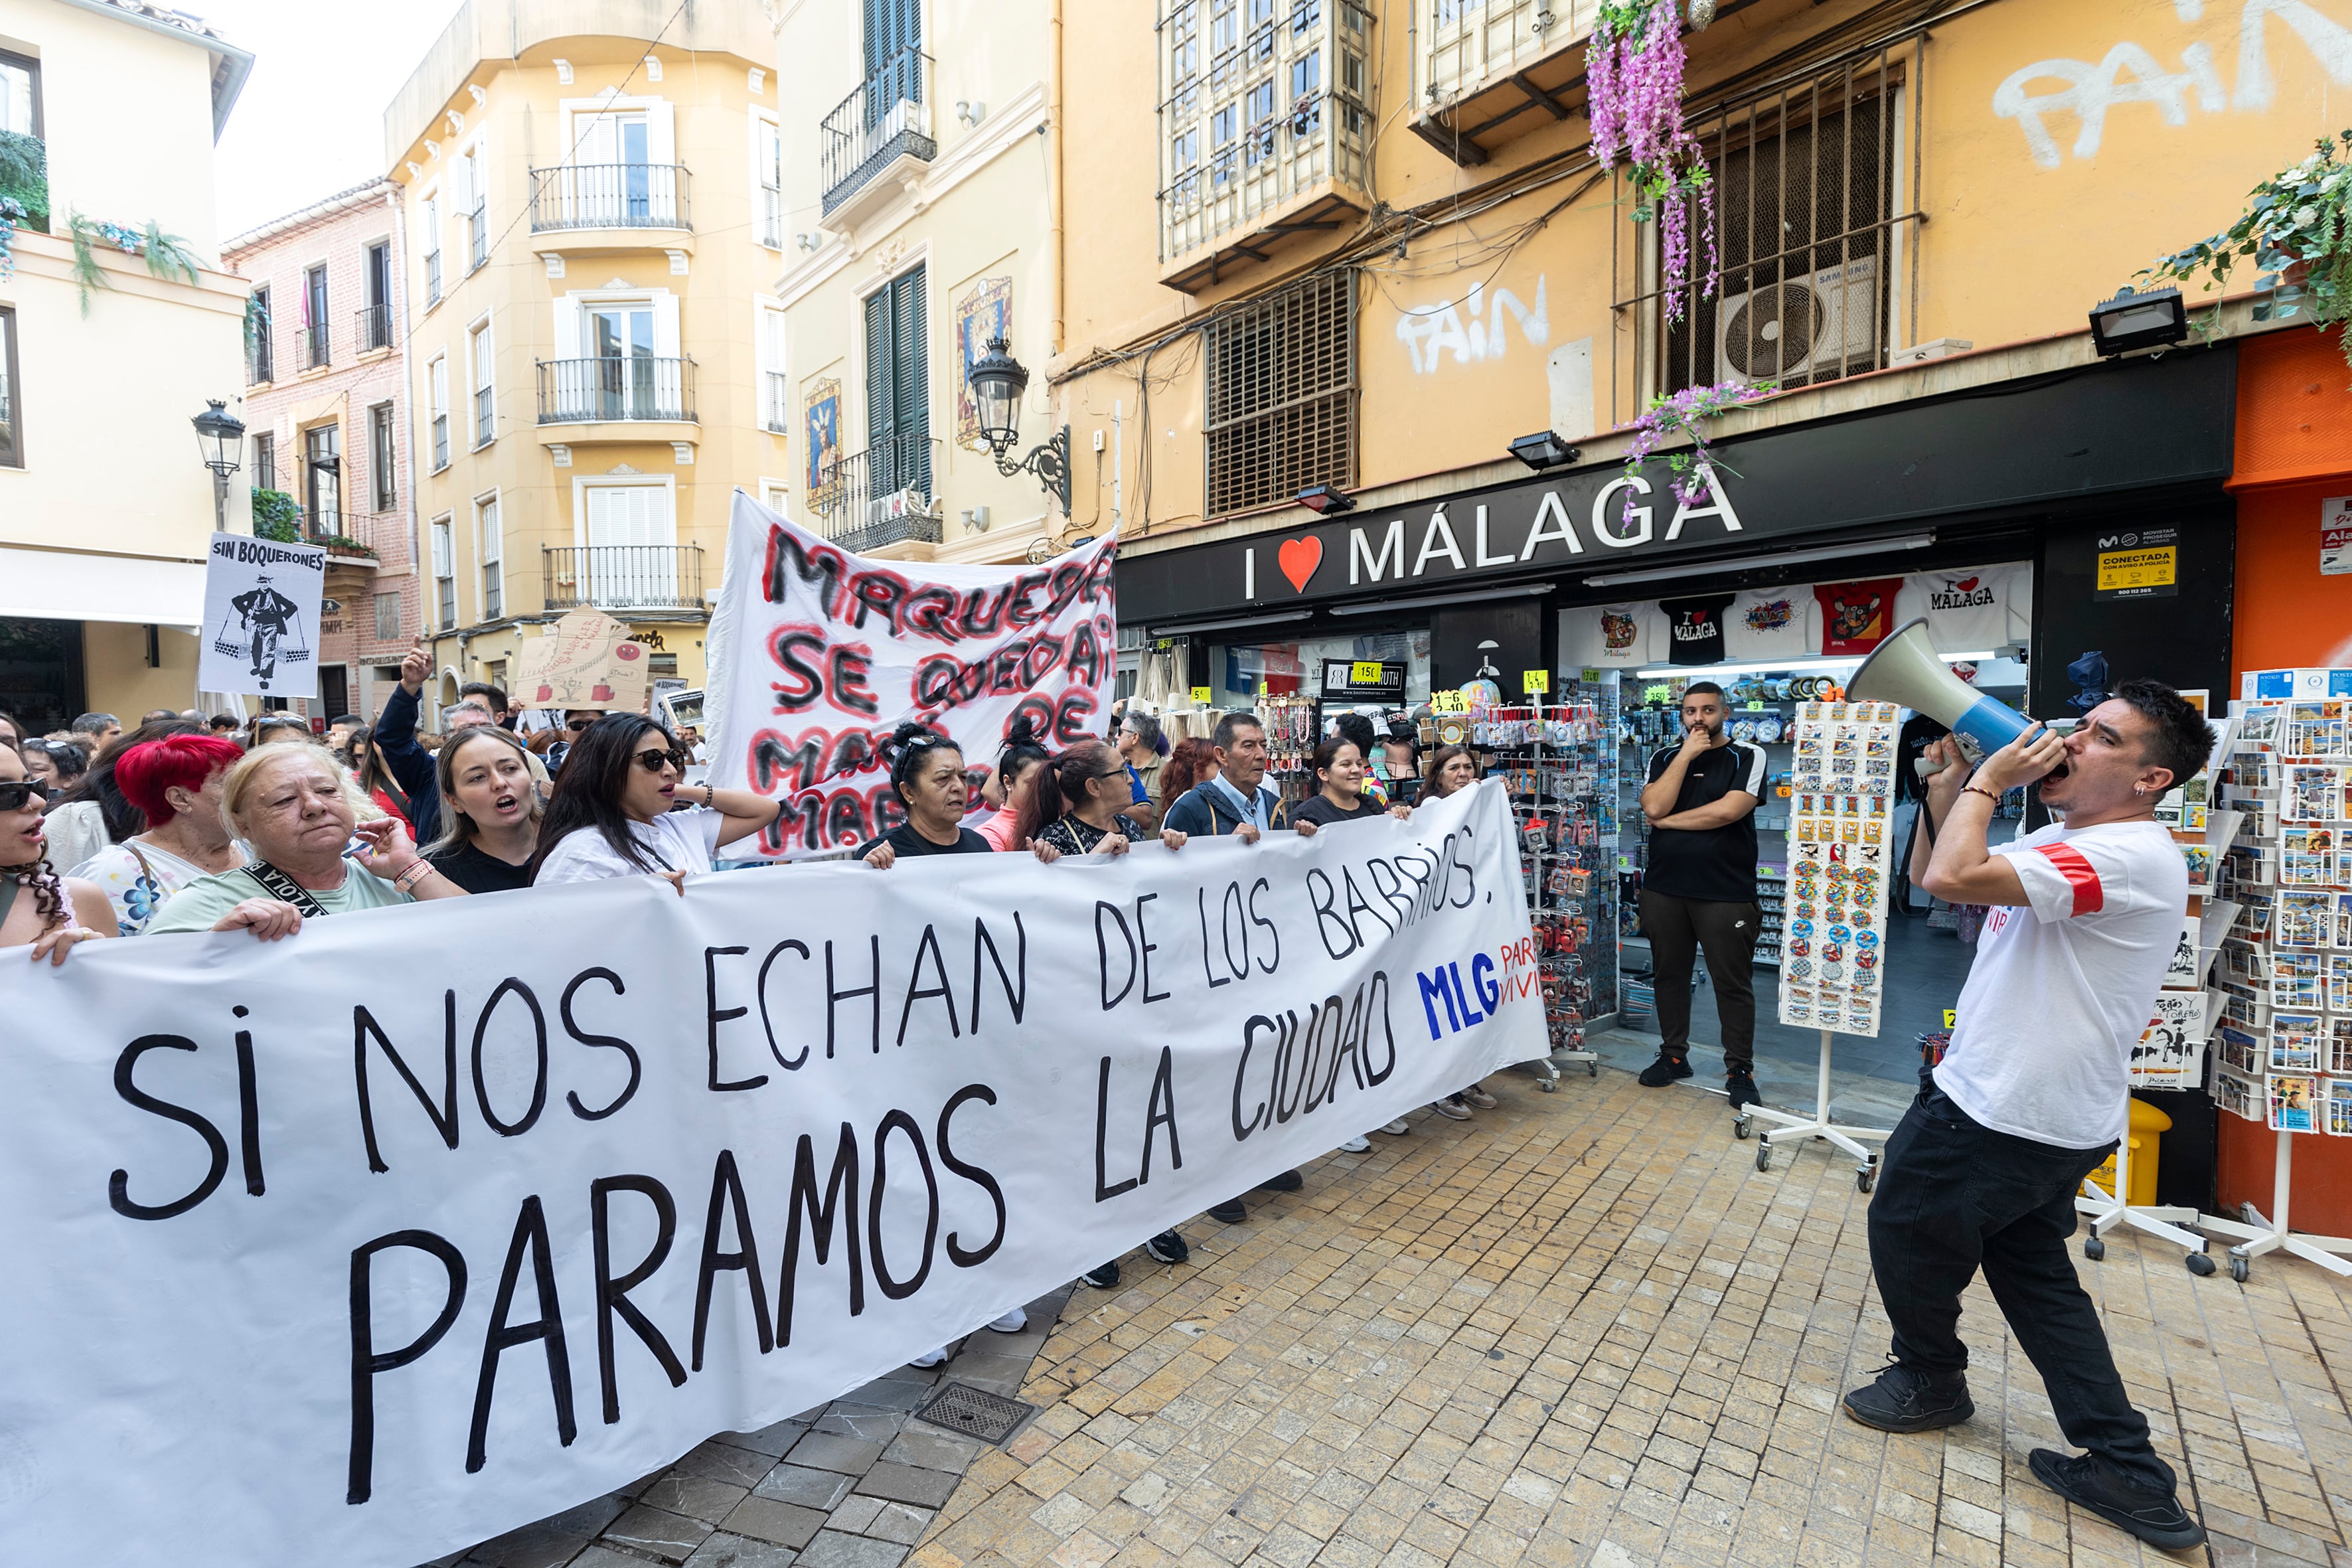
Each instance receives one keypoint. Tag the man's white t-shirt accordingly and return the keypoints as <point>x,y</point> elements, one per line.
<point>675,841</point>
<point>2064,987</point>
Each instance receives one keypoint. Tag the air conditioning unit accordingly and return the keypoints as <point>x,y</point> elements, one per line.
<point>1789,331</point>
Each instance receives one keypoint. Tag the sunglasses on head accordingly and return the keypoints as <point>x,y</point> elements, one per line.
<point>654,761</point>
<point>16,792</point>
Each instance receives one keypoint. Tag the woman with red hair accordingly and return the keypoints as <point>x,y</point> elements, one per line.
<point>176,783</point>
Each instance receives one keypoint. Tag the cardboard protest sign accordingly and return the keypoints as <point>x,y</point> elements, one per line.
<point>584,660</point>
<point>261,616</point>
<point>819,655</point>
<point>314,1263</point>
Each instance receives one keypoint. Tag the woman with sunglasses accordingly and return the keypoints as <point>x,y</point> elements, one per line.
<point>38,908</point>
<point>1079,802</point>
<point>612,813</point>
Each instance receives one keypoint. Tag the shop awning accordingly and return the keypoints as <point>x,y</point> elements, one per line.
<point>63,586</point>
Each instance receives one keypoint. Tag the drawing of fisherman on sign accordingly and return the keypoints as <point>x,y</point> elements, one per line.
<point>268,624</point>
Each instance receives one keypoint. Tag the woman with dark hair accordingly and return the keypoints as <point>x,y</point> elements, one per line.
<point>1024,753</point>
<point>175,784</point>
<point>1339,764</point>
<point>12,730</point>
<point>611,816</point>
<point>374,776</point>
<point>37,907</point>
<point>94,813</point>
<point>59,764</point>
<point>927,775</point>
<point>490,811</point>
<point>1450,770</point>
<point>1192,760</point>
<point>1077,805</point>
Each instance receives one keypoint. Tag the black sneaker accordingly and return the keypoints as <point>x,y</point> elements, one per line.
<point>1663,1072</point>
<point>2086,1481</point>
<point>1167,1247</point>
<point>1904,1399</point>
<point>1288,1182</point>
<point>1231,1211</point>
<point>1742,1086</point>
<point>1103,1278</point>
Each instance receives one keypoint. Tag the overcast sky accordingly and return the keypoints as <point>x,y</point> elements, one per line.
<point>310,119</point>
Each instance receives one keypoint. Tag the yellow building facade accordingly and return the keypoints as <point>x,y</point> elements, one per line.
<point>106,508</point>
<point>593,227</point>
<point>919,186</point>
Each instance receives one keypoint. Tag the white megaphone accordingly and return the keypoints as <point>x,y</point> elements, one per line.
<point>1906,670</point>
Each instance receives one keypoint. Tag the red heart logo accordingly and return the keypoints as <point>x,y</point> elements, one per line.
<point>1300,558</point>
<point>1966,584</point>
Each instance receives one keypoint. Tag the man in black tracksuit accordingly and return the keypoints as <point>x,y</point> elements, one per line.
<point>1699,887</point>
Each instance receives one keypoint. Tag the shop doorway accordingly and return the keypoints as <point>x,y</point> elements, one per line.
<point>41,673</point>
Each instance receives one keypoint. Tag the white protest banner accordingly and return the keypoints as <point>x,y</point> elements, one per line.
<point>261,616</point>
<point>825,653</point>
<point>430,1222</point>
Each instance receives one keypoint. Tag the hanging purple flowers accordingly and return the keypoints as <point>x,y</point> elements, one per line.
<point>1633,75</point>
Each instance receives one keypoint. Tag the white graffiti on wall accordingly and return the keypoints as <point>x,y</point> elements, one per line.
<point>1431,331</point>
<point>2130,75</point>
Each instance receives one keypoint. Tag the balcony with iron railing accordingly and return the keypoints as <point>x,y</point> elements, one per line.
<point>586,208</point>
<point>373,329</point>
<point>622,576</point>
<point>878,133</point>
<point>877,497</point>
<point>615,390</point>
<point>315,351</point>
<point>775,400</point>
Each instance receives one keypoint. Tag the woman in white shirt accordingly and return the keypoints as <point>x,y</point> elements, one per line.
<point>613,816</point>
<point>176,783</point>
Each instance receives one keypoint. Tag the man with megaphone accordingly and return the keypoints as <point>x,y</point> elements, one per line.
<point>2030,1098</point>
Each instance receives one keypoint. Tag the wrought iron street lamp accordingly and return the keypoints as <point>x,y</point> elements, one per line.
<point>998,379</point>
<point>220,436</point>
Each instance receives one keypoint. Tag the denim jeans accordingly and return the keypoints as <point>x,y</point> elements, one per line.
<point>1955,1196</point>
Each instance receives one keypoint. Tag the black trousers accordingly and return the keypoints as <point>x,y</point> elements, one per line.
<point>1955,1196</point>
<point>1678,930</point>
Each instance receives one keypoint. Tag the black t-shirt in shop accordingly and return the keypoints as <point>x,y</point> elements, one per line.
<point>1318,809</point>
<point>904,840</point>
<point>478,871</point>
<point>1694,628</point>
<point>1715,864</point>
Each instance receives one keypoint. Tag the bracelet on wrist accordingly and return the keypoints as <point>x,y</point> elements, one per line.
<point>1992,795</point>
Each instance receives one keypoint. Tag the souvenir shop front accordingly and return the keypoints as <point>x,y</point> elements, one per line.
<point>2058,534</point>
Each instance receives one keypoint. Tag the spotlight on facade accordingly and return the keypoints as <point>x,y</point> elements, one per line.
<point>2131,320</point>
<point>1542,450</point>
<point>1326,499</point>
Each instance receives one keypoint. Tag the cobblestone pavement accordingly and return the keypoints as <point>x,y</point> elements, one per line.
<point>1579,1330</point>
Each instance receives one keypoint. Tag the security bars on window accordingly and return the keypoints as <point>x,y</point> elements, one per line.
<point>1261,100</point>
<point>1282,394</point>
<point>1816,206</point>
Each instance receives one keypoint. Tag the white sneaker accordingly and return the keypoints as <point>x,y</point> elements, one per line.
<point>1013,1322</point>
<point>1450,1110</point>
<point>931,1359</point>
<point>1355,1145</point>
<point>1397,1128</point>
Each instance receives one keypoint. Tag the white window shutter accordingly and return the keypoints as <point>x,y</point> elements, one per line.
<point>661,132</point>
<point>493,535</point>
<point>666,339</point>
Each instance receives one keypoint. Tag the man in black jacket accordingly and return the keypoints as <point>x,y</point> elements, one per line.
<point>412,766</point>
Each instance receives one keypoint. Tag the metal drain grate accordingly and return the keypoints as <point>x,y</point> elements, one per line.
<point>974,1412</point>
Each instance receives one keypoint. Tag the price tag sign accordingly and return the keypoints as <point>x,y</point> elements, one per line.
<point>1754,707</point>
<point>1591,677</point>
<point>1364,672</point>
<point>1950,1017</point>
<point>1448,702</point>
<point>1200,697</point>
<point>1264,690</point>
<point>1656,693</point>
<point>1534,681</point>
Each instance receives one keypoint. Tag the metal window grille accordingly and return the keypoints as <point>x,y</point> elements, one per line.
<point>1252,111</point>
<point>1815,194</point>
<point>1282,394</point>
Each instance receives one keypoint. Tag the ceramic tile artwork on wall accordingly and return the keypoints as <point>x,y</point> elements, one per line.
<point>1841,811</point>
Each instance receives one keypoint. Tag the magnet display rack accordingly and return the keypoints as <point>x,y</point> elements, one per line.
<point>1559,759</point>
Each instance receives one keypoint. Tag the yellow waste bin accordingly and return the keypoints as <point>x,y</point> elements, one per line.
<point>2148,1126</point>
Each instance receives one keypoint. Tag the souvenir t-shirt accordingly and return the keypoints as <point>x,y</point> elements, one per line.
<point>1856,617</point>
<point>1715,864</point>
<point>2063,987</point>
<point>137,879</point>
<point>200,905</point>
<point>1971,611</point>
<point>674,841</point>
<point>1694,628</point>
<point>1770,622</point>
<point>1610,635</point>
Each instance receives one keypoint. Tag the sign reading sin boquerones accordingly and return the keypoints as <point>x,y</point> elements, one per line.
<point>822,653</point>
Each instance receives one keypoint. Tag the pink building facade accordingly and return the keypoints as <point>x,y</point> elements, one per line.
<point>327,424</point>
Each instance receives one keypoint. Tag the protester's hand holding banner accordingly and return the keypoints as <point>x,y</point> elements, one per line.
<point>322,1259</point>
<point>825,653</point>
